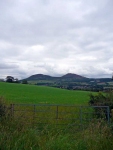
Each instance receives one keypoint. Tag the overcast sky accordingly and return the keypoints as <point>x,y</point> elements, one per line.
<point>55,37</point>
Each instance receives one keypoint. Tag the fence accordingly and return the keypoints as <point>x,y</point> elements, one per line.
<point>60,114</point>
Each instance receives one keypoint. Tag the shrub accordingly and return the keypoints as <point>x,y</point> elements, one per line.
<point>2,107</point>
<point>102,99</point>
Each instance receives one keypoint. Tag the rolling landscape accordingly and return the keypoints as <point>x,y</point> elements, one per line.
<point>44,113</point>
<point>67,89</point>
<point>56,75</point>
<point>72,81</point>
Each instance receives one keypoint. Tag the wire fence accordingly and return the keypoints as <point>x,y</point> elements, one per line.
<point>79,116</point>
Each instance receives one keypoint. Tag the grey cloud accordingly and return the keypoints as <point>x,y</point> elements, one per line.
<point>45,21</point>
<point>8,66</point>
<point>48,36</point>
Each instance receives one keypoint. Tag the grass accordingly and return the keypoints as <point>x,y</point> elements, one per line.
<point>19,133</point>
<point>20,93</point>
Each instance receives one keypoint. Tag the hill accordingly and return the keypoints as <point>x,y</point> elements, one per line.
<point>46,77</point>
<point>74,76</point>
<point>71,81</point>
<point>39,77</point>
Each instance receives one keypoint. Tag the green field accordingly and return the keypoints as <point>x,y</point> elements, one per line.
<point>20,93</point>
<point>50,128</point>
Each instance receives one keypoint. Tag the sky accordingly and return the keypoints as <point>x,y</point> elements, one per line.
<point>56,37</point>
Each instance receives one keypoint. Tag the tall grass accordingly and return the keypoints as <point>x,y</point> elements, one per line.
<point>19,133</point>
<point>19,136</point>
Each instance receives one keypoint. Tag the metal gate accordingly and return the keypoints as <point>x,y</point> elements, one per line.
<point>60,114</point>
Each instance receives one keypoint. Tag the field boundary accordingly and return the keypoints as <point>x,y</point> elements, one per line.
<point>60,114</point>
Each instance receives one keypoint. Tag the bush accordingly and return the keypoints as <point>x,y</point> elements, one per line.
<point>102,99</point>
<point>2,107</point>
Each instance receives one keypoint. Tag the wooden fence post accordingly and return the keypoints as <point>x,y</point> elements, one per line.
<point>34,107</point>
<point>12,110</point>
<point>112,114</point>
<point>57,112</point>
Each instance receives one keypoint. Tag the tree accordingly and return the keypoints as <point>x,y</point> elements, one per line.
<point>9,79</point>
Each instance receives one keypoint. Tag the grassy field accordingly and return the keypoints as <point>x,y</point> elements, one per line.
<point>20,93</point>
<point>21,132</point>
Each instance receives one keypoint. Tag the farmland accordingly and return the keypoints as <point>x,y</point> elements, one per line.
<point>20,93</point>
<point>21,131</point>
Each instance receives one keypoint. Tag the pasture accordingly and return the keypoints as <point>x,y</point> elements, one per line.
<point>22,132</point>
<point>32,94</point>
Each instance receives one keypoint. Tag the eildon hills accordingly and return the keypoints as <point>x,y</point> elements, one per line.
<point>71,81</point>
<point>46,77</point>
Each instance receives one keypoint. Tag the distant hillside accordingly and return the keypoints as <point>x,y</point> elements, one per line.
<point>71,75</point>
<point>39,77</point>
<point>47,77</point>
<point>71,81</point>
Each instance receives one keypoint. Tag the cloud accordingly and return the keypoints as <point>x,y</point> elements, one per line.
<point>56,37</point>
<point>8,66</point>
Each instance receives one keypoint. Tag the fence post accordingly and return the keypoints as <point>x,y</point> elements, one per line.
<point>112,114</point>
<point>81,117</point>
<point>57,112</point>
<point>12,110</point>
<point>108,114</point>
<point>34,112</point>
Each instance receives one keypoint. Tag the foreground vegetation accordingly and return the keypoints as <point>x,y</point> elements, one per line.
<point>17,136</point>
<point>19,133</point>
<point>20,93</point>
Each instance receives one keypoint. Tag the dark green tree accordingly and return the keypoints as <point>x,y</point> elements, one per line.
<point>9,79</point>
